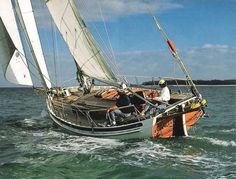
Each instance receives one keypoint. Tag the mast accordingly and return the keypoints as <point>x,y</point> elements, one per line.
<point>26,17</point>
<point>176,56</point>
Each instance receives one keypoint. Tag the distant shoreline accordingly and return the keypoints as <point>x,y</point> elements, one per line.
<point>230,82</point>
<point>206,85</point>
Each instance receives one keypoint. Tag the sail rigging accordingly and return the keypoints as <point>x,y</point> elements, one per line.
<point>176,56</point>
<point>27,20</point>
<point>80,41</point>
<point>12,55</point>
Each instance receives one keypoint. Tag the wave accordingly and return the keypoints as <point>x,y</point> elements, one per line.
<point>29,121</point>
<point>142,154</point>
<point>79,144</point>
<point>42,115</point>
<point>218,142</point>
<point>152,153</point>
<point>228,130</point>
<point>221,142</point>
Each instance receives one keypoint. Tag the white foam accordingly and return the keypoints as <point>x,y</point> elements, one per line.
<point>220,142</point>
<point>229,130</point>
<point>38,134</point>
<point>44,113</point>
<point>29,121</point>
<point>146,152</point>
<point>80,144</point>
<point>134,154</point>
<point>3,137</point>
<point>32,120</point>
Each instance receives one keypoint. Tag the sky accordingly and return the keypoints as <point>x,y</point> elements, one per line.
<point>204,32</point>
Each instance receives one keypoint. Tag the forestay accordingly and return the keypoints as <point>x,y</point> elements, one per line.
<point>80,41</point>
<point>11,50</point>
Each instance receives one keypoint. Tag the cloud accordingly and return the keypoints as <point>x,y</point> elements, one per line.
<point>211,46</point>
<point>147,64</point>
<point>111,9</point>
<point>115,9</point>
<point>210,61</point>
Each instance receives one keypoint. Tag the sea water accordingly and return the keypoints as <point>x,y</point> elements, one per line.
<point>32,147</point>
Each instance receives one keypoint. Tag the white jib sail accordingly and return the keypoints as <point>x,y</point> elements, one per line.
<point>11,50</point>
<point>81,44</point>
<point>31,31</point>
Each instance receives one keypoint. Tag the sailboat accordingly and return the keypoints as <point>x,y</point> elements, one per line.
<point>85,109</point>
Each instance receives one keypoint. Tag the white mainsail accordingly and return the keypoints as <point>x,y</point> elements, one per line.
<point>27,20</point>
<point>81,44</point>
<point>11,50</point>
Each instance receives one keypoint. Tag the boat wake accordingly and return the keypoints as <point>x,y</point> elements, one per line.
<point>141,154</point>
<point>152,153</point>
<point>79,144</point>
<point>136,153</point>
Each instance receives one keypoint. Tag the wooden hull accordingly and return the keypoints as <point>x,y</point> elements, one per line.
<point>154,127</point>
<point>175,126</point>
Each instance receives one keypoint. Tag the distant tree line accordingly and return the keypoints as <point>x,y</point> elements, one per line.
<point>197,82</point>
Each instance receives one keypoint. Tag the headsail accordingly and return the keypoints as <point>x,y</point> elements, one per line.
<point>27,20</point>
<point>11,53</point>
<point>80,41</point>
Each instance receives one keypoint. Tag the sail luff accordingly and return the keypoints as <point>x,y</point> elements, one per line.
<point>11,49</point>
<point>27,20</point>
<point>80,41</point>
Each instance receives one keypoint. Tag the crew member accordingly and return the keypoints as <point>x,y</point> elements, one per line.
<point>165,92</point>
<point>162,99</point>
<point>122,100</point>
